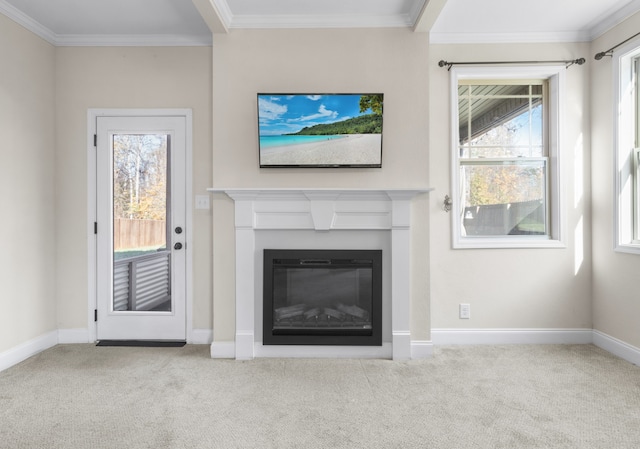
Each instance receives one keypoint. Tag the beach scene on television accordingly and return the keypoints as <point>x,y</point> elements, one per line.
<point>315,130</point>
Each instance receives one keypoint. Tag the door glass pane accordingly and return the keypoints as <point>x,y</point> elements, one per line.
<point>141,249</point>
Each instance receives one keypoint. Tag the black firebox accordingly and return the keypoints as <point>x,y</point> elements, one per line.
<point>322,297</point>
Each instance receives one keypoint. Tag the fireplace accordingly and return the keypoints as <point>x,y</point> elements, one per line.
<point>321,218</point>
<point>322,297</point>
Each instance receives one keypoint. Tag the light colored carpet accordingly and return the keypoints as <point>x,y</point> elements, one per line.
<point>82,396</point>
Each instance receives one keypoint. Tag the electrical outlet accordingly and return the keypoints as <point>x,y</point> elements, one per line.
<point>465,311</point>
<point>202,202</point>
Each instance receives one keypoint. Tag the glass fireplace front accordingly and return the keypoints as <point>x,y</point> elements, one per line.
<point>322,297</point>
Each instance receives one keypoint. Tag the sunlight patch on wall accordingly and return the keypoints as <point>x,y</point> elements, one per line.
<point>579,245</point>
<point>578,176</point>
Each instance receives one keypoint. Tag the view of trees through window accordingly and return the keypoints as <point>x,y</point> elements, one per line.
<point>139,192</point>
<point>502,159</point>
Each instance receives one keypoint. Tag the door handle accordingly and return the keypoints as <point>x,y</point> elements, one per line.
<point>177,246</point>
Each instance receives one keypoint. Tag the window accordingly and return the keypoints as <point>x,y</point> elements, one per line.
<point>505,161</point>
<point>626,75</point>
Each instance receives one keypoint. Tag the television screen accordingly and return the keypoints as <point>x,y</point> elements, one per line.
<point>320,130</point>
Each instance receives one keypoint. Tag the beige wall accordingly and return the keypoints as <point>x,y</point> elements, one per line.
<point>45,93</point>
<point>125,77</point>
<point>393,62</point>
<point>616,307</point>
<point>27,262</point>
<point>513,288</point>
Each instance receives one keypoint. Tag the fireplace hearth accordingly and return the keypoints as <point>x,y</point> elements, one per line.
<point>322,297</point>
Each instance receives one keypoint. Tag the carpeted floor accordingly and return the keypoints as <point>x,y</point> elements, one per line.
<point>83,396</point>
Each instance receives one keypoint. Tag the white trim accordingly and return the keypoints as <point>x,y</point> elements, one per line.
<point>27,22</point>
<point>321,21</point>
<point>46,341</point>
<point>92,115</point>
<point>201,337</point>
<point>616,347</point>
<point>27,349</point>
<point>188,113</point>
<point>224,12</point>
<point>421,349</point>
<point>223,350</point>
<point>92,240</point>
<point>489,242</point>
<point>415,12</point>
<point>556,76</point>
<point>442,337</point>
<point>401,339</point>
<point>321,210</point>
<point>266,21</point>
<point>132,40</point>
<point>508,38</point>
<point>623,143</point>
<point>610,21</point>
<point>245,341</point>
<point>102,40</point>
<point>626,351</point>
<point>72,336</point>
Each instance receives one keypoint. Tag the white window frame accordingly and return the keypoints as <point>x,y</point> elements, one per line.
<point>627,182</point>
<point>555,75</point>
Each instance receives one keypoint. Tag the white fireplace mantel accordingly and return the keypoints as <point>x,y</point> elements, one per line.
<point>321,210</point>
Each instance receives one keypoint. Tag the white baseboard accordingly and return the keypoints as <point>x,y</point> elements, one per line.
<point>617,347</point>
<point>401,345</point>
<point>442,337</point>
<point>201,337</point>
<point>223,350</point>
<point>72,336</point>
<point>27,349</point>
<point>421,349</point>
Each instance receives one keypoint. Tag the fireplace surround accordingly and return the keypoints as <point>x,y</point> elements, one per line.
<point>321,216</point>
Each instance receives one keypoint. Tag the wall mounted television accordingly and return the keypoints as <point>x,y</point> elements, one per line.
<point>320,130</point>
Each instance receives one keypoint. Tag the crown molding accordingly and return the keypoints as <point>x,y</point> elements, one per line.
<point>617,17</point>
<point>317,21</point>
<point>508,38</point>
<point>312,21</point>
<point>322,21</point>
<point>133,40</point>
<point>224,12</point>
<point>93,40</point>
<point>415,12</point>
<point>27,22</point>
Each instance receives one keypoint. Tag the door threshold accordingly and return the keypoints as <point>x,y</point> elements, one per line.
<point>143,343</point>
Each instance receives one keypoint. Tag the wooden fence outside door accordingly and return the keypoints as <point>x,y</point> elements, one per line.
<point>131,234</point>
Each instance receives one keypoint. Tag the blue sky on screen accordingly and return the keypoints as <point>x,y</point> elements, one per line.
<point>287,114</point>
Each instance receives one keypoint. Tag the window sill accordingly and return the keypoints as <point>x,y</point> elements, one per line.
<point>629,248</point>
<point>503,243</point>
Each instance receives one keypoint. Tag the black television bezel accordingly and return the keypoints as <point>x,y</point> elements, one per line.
<point>325,165</point>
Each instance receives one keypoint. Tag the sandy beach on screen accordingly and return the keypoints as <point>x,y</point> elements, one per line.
<point>352,149</point>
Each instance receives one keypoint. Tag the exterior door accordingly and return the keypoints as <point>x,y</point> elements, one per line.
<point>141,233</point>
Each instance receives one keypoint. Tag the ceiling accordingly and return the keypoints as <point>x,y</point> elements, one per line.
<point>180,22</point>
